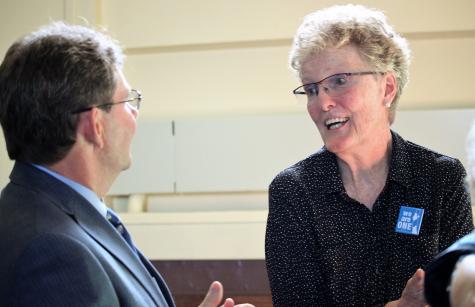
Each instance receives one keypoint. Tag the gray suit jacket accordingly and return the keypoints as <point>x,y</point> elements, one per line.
<point>439,272</point>
<point>57,250</point>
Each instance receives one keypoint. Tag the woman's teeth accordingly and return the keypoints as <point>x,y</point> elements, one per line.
<point>335,123</point>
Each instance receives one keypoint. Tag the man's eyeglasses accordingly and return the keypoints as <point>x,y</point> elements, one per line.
<point>133,100</point>
<point>334,85</point>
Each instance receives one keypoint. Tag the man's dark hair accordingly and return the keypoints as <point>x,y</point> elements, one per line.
<point>44,78</point>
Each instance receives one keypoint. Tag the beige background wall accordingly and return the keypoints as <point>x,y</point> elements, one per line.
<point>227,57</point>
<point>215,58</point>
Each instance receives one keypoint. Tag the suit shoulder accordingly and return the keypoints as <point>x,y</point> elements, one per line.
<point>75,275</point>
<point>57,245</point>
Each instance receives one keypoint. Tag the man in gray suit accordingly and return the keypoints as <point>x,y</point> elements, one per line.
<point>68,115</point>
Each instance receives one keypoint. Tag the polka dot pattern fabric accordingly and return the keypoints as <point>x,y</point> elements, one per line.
<point>325,249</point>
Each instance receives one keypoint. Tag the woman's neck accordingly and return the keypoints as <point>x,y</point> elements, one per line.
<point>364,172</point>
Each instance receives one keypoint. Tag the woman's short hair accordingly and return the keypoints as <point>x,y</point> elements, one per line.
<point>356,25</point>
<point>46,76</point>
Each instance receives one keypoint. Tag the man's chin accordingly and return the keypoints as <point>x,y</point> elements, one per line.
<point>127,165</point>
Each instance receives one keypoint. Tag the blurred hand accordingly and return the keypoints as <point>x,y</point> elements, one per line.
<point>215,296</point>
<point>413,293</point>
<point>462,290</point>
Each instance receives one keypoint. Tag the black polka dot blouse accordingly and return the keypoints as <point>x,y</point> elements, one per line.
<point>325,249</point>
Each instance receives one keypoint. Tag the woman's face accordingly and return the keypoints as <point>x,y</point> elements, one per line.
<point>355,117</point>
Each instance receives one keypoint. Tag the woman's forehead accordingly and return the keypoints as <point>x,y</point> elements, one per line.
<point>331,61</point>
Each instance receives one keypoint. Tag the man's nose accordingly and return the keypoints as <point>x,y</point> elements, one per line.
<point>135,112</point>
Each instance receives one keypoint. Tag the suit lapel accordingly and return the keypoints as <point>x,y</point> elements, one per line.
<point>158,278</point>
<point>90,220</point>
<point>104,233</point>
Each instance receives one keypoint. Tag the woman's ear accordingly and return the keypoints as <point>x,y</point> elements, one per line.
<point>390,89</point>
<point>91,127</point>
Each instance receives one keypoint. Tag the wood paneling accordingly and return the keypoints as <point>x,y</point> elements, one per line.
<point>243,280</point>
<point>194,300</point>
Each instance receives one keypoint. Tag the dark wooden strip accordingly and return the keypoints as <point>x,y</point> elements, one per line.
<point>195,300</point>
<point>193,277</point>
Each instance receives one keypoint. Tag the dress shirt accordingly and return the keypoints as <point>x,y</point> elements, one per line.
<point>87,193</point>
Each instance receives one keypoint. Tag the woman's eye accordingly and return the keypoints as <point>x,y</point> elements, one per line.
<point>311,90</point>
<point>339,81</point>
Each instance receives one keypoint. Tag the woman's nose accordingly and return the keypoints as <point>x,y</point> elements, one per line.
<point>322,101</point>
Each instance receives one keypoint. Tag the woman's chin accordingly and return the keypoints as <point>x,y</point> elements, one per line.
<point>337,146</point>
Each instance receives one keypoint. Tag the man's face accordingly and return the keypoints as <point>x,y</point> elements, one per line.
<point>119,128</point>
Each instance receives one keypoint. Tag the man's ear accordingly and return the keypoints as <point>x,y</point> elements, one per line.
<point>390,89</point>
<point>91,127</point>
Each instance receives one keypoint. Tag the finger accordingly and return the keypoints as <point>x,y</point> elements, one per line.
<point>214,295</point>
<point>419,276</point>
<point>229,302</point>
<point>416,278</point>
<point>420,273</point>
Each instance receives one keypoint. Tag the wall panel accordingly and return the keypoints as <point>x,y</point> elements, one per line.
<point>244,153</point>
<point>19,17</point>
<point>258,81</point>
<point>240,153</point>
<point>441,74</point>
<point>153,161</point>
<point>144,23</point>
<point>199,235</point>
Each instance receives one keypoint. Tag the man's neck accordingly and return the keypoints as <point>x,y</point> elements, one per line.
<point>85,171</point>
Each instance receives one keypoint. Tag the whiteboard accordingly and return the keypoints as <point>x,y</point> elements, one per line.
<point>153,156</point>
<point>244,153</point>
<point>444,131</point>
<point>240,153</point>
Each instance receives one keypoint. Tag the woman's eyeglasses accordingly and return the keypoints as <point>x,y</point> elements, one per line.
<point>334,85</point>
